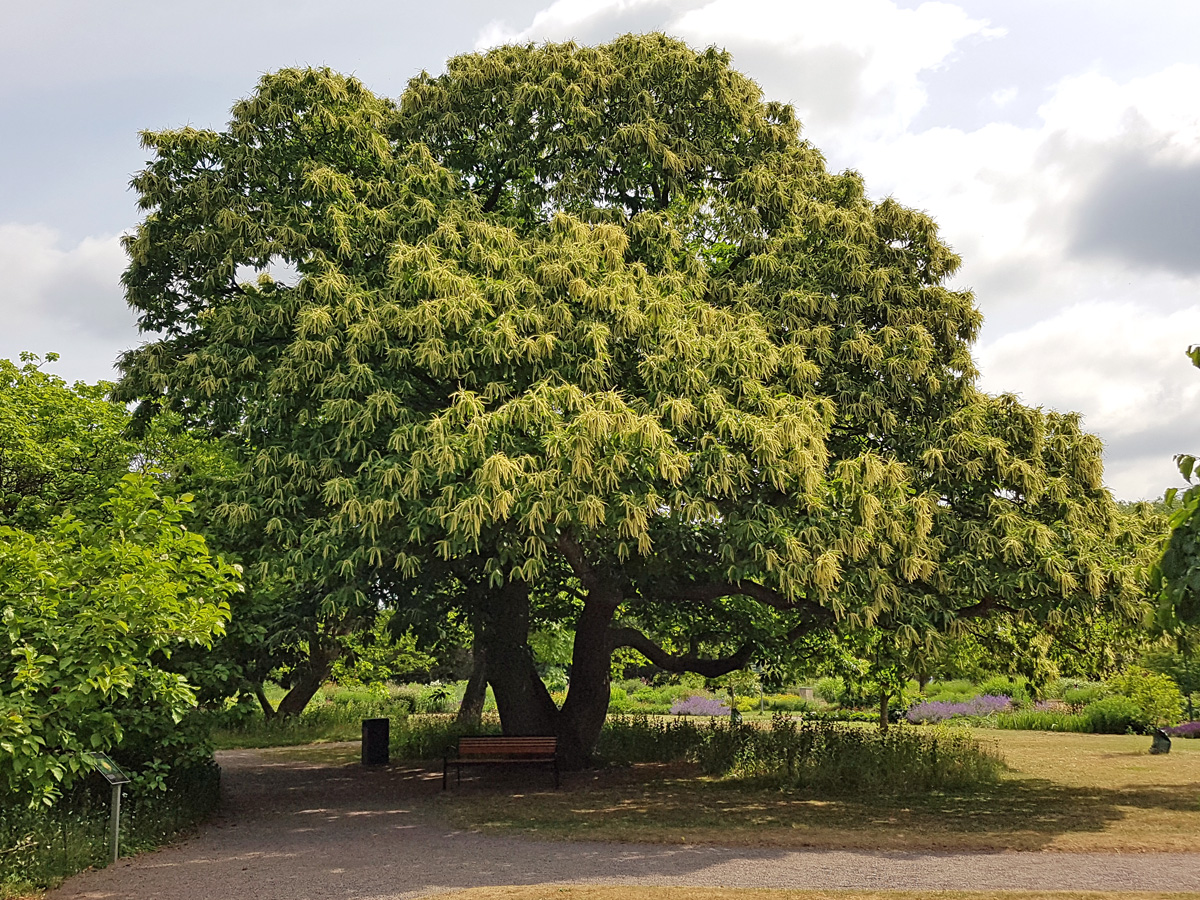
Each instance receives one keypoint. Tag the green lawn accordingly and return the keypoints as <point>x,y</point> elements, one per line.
<point>1072,792</point>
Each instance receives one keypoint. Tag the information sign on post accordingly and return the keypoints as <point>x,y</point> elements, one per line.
<point>113,775</point>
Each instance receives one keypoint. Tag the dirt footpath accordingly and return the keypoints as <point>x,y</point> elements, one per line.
<point>307,830</point>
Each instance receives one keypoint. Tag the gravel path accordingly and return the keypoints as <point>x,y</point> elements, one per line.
<point>305,831</point>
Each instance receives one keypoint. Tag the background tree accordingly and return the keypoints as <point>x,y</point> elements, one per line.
<point>1178,571</point>
<point>61,446</point>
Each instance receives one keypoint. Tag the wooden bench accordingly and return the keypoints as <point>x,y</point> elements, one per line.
<point>499,750</point>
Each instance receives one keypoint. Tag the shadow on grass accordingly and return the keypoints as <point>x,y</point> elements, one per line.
<point>672,803</point>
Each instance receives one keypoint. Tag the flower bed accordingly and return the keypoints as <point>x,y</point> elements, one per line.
<point>941,710</point>
<point>699,706</point>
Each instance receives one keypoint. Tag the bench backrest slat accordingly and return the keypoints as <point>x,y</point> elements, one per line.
<point>508,746</point>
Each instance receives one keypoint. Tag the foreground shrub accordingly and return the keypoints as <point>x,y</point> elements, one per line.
<point>1114,715</point>
<point>632,739</point>
<point>818,756</point>
<point>835,759</point>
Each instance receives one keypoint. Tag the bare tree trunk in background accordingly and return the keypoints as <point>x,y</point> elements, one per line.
<point>470,713</point>
<point>267,708</point>
<point>320,663</point>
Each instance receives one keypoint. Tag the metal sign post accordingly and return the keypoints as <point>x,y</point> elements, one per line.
<point>114,776</point>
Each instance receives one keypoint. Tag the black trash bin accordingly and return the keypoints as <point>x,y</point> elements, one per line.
<point>375,742</point>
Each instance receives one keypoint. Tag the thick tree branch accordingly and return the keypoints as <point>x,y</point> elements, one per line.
<point>982,609</point>
<point>494,195</point>
<point>686,662</point>
<point>690,661</point>
<point>600,586</point>
<point>764,595</point>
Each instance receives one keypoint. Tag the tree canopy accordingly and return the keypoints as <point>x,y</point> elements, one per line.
<point>597,323</point>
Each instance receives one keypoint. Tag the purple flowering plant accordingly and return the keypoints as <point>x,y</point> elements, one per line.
<point>941,710</point>
<point>1186,730</point>
<point>699,706</point>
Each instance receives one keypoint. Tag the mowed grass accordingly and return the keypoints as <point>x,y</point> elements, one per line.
<point>590,892</point>
<point>1067,792</point>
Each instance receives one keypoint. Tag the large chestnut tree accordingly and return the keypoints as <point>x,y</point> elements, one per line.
<point>593,332</point>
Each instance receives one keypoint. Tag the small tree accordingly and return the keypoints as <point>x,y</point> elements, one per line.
<point>87,612</point>
<point>1178,571</point>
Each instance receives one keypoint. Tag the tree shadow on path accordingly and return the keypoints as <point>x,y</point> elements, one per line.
<point>299,826</point>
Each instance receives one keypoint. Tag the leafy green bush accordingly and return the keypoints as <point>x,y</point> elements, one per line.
<point>1109,715</point>
<point>1003,686</point>
<point>952,691</point>
<point>1042,720</point>
<point>618,701</point>
<point>1157,697</point>
<point>788,703</point>
<point>1114,715</point>
<point>851,715</point>
<point>635,696</point>
<point>1080,696</point>
<point>830,689</point>
<point>89,612</point>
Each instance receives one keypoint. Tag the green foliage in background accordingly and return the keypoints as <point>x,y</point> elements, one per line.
<point>61,446</point>
<point>1178,571</point>
<point>1155,697</point>
<point>87,611</point>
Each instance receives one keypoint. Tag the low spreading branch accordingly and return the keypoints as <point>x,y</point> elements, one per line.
<point>685,662</point>
<point>706,592</point>
<point>982,609</point>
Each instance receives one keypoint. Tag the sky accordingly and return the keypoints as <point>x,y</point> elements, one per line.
<point>1056,142</point>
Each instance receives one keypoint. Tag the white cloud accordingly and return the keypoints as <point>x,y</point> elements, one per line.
<point>1004,96</point>
<point>1092,107</point>
<point>1123,366</point>
<point>561,20</point>
<point>852,65</point>
<point>893,46</point>
<point>66,300</point>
